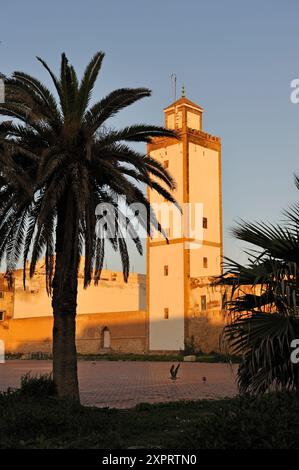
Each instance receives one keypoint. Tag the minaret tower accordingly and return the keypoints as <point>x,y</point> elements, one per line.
<point>193,255</point>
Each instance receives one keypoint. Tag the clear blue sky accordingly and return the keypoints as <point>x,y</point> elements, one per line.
<point>236,58</point>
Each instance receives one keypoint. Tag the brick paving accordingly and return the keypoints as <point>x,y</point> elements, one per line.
<point>123,384</point>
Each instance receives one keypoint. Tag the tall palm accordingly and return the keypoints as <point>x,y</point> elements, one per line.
<point>58,163</point>
<point>263,304</point>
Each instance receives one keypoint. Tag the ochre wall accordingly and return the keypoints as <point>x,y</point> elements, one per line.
<point>205,326</point>
<point>127,329</point>
<point>112,294</point>
<point>206,332</point>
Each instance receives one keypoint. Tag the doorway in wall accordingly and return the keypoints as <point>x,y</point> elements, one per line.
<point>106,338</point>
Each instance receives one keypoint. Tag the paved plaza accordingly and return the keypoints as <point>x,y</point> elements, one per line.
<point>123,384</point>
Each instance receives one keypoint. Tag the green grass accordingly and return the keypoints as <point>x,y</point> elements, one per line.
<point>200,357</point>
<point>268,422</point>
<point>129,357</point>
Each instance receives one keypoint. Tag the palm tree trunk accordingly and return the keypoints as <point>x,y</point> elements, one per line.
<point>64,303</point>
<point>65,356</point>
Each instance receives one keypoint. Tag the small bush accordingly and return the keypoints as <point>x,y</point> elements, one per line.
<point>38,386</point>
<point>191,347</point>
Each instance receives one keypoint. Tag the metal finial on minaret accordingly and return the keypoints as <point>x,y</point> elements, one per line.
<point>173,80</point>
<point>183,91</point>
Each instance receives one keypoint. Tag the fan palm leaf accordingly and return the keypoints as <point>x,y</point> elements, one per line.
<point>262,300</point>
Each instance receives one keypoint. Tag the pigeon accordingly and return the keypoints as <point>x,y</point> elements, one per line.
<point>204,379</point>
<point>174,371</point>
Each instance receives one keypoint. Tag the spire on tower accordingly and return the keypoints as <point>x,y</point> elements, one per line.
<point>183,113</point>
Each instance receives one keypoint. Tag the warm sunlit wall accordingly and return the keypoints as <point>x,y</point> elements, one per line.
<point>194,163</point>
<point>167,292</point>
<point>113,305</point>
<point>204,187</point>
<point>127,330</point>
<point>112,294</point>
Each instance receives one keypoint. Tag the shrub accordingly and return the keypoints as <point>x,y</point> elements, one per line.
<point>38,386</point>
<point>191,347</point>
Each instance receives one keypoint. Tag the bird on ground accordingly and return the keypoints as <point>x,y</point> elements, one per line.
<point>174,371</point>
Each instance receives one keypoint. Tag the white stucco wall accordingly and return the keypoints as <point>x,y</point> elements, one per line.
<point>166,292</point>
<point>204,188</point>
<point>193,120</point>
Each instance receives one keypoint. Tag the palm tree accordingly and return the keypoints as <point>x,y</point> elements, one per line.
<point>262,299</point>
<point>59,161</point>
